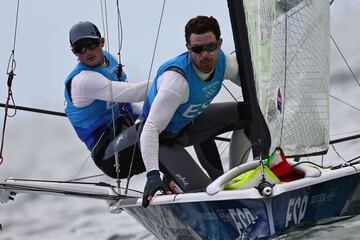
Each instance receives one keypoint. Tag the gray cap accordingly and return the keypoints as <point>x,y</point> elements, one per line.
<point>83,30</point>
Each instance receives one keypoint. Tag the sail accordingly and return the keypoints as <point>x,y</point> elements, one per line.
<point>290,46</point>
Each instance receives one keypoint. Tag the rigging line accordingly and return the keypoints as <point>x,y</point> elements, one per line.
<point>113,105</point>
<point>131,164</point>
<point>11,75</point>
<point>119,73</point>
<point>226,137</point>
<point>104,18</point>
<point>226,147</point>
<point>222,142</point>
<point>147,87</point>
<point>119,29</point>
<point>228,90</point>
<point>337,153</point>
<point>348,104</point>
<point>16,24</point>
<point>285,75</point>
<point>107,26</point>
<point>61,114</point>
<point>120,43</point>
<point>81,168</point>
<point>103,21</point>
<point>346,62</point>
<point>156,41</point>
<point>232,95</point>
<point>116,156</point>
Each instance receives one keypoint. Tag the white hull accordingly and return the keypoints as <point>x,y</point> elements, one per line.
<point>233,214</point>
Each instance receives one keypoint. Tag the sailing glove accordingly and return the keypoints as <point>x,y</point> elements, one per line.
<point>153,184</point>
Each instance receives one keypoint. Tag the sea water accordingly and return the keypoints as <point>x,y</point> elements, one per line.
<point>45,147</point>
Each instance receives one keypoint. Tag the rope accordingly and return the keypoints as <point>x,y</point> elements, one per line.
<point>346,62</point>
<point>231,94</point>
<point>119,29</point>
<point>156,41</point>
<point>10,72</point>
<point>106,35</point>
<point>75,178</point>
<point>348,104</point>
<point>119,73</point>
<point>104,19</point>
<point>285,75</point>
<point>120,39</point>
<point>148,81</point>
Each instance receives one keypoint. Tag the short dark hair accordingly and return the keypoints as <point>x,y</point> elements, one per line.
<point>200,25</point>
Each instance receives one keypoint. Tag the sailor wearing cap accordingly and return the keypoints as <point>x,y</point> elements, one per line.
<point>95,93</point>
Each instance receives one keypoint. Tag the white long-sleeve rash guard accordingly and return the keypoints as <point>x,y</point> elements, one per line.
<point>89,85</point>
<point>173,90</point>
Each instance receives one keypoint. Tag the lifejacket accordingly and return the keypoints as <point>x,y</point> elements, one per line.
<point>201,92</point>
<point>91,121</point>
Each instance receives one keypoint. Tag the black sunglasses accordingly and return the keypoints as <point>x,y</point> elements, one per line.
<point>206,47</point>
<point>89,44</point>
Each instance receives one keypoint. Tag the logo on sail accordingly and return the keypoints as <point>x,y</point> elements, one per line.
<point>279,101</point>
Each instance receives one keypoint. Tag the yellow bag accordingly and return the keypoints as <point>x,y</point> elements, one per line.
<point>251,179</point>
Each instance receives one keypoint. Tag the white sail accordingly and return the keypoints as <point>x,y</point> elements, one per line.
<point>289,41</point>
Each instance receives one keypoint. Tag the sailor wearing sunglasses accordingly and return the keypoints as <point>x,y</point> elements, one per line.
<point>96,93</point>
<point>177,109</point>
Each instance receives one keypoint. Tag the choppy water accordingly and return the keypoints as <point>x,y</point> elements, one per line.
<point>45,147</point>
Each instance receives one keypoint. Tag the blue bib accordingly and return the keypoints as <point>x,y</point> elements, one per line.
<point>201,92</point>
<point>91,121</point>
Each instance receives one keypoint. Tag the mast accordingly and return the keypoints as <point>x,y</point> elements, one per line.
<point>258,130</point>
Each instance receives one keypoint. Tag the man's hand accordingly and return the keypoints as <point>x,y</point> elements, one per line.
<point>116,71</point>
<point>153,184</point>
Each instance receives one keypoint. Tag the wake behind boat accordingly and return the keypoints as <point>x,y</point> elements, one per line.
<point>283,53</point>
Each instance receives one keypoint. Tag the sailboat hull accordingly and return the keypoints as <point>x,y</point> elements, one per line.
<point>245,214</point>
